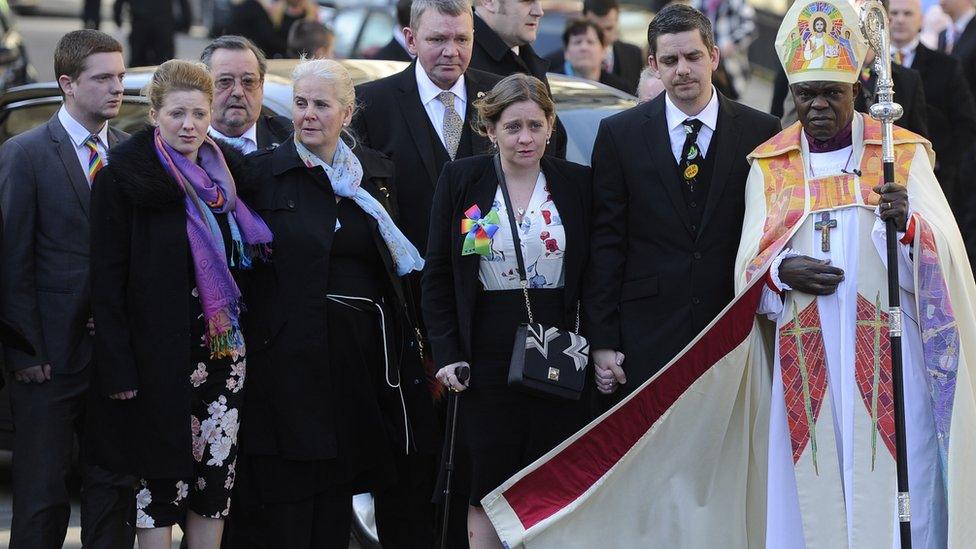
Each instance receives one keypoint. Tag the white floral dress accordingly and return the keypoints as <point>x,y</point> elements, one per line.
<point>543,239</point>
<point>215,393</point>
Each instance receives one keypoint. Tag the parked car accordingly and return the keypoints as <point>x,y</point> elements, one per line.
<point>15,70</point>
<point>580,104</point>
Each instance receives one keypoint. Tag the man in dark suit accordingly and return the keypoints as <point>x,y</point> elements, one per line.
<point>45,183</point>
<point>911,95</point>
<point>396,48</point>
<point>504,31</point>
<point>668,201</point>
<point>959,38</point>
<point>238,67</point>
<point>422,118</point>
<point>623,60</point>
<point>951,112</point>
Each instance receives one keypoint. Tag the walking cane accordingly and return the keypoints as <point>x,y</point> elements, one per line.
<point>462,373</point>
<point>874,25</point>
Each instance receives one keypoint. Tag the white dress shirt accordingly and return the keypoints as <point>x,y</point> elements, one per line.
<point>907,53</point>
<point>675,116</point>
<point>435,109</point>
<point>250,138</point>
<point>78,135</point>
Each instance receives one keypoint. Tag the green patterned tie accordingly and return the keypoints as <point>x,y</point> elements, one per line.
<point>452,123</point>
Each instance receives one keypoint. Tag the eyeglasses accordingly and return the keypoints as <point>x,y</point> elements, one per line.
<point>249,83</point>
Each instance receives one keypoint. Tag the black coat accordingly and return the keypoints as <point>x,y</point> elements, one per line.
<point>286,325</point>
<point>250,20</point>
<point>911,97</point>
<point>654,280</point>
<point>141,284</point>
<point>951,114</point>
<point>450,281</point>
<point>491,54</point>
<point>965,51</point>
<point>392,120</point>
<point>392,51</point>
<point>628,62</point>
<point>273,130</point>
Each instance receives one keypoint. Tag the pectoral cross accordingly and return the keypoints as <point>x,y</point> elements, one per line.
<point>824,226</point>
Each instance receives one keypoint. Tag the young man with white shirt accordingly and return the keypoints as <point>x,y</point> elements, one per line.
<point>422,118</point>
<point>238,67</point>
<point>668,184</point>
<point>45,181</point>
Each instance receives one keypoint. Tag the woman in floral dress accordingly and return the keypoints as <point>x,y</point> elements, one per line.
<point>168,236</point>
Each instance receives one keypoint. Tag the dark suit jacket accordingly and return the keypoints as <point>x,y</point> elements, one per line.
<point>450,282</point>
<point>910,95</point>
<point>654,280</point>
<point>491,54</point>
<point>141,282</point>
<point>606,78</point>
<point>628,62</point>
<point>965,51</point>
<point>951,113</point>
<point>44,283</point>
<point>273,130</point>
<point>392,51</point>
<point>392,120</point>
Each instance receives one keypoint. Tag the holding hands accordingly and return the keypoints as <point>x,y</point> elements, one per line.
<point>608,370</point>
<point>454,376</point>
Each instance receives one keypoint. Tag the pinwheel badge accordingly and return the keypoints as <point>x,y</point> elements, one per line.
<point>479,231</point>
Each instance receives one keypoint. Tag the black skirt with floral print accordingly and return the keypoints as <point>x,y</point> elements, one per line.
<point>215,392</point>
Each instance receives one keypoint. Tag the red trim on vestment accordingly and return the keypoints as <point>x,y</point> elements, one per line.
<point>909,237</point>
<point>769,282</point>
<point>570,473</point>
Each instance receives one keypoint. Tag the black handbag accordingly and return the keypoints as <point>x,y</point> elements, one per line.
<point>546,361</point>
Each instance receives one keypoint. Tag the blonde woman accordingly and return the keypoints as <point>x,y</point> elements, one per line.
<point>169,237</point>
<point>327,331</point>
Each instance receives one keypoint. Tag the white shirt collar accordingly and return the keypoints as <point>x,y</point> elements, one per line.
<point>908,48</point>
<point>963,21</point>
<point>708,115</point>
<point>429,90</point>
<point>251,134</point>
<point>77,132</point>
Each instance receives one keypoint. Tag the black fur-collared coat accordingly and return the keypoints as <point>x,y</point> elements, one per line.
<point>141,280</point>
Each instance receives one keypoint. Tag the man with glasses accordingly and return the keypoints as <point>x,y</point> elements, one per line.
<point>238,68</point>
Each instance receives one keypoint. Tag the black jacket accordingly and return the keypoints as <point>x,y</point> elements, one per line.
<point>392,51</point>
<point>654,280</point>
<point>628,62</point>
<point>392,120</point>
<point>450,282</point>
<point>951,114</point>
<point>491,54</point>
<point>965,51</point>
<point>273,130</point>
<point>286,325</point>
<point>250,20</point>
<point>911,97</point>
<point>140,298</point>
<point>606,78</point>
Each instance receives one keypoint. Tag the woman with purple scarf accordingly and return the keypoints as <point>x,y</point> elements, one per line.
<point>169,237</point>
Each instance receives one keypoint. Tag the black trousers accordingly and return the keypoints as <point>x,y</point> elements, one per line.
<point>151,43</point>
<point>91,14</point>
<point>47,417</point>
<point>405,517</point>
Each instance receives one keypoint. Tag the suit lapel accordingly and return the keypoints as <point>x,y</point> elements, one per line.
<point>724,145</point>
<point>417,121</point>
<point>658,142</point>
<point>69,159</point>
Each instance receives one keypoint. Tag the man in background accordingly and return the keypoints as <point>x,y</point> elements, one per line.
<point>396,48</point>
<point>311,39</point>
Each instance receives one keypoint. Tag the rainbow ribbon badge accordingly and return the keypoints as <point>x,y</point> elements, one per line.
<point>479,231</point>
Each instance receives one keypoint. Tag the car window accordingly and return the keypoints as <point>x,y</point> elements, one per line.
<point>581,127</point>
<point>346,25</point>
<point>376,33</point>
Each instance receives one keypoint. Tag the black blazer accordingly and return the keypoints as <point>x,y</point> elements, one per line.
<point>951,114</point>
<point>450,281</point>
<point>490,54</point>
<point>965,51</point>
<point>628,62</point>
<point>273,130</point>
<point>392,120</point>
<point>911,96</point>
<point>654,280</point>
<point>140,298</point>
<point>392,51</point>
<point>286,325</point>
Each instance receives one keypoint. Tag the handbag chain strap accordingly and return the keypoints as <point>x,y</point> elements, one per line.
<point>509,208</point>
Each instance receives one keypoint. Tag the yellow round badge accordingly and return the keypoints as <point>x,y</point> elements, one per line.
<point>691,171</point>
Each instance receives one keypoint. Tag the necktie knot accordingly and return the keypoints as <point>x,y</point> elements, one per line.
<point>447,98</point>
<point>692,126</point>
<point>92,142</point>
<point>95,162</point>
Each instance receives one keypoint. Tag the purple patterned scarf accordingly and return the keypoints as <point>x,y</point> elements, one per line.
<point>208,188</point>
